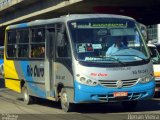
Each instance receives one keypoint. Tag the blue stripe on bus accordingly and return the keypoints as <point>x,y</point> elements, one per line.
<point>1,61</point>
<point>22,25</point>
<point>85,93</point>
<point>32,86</point>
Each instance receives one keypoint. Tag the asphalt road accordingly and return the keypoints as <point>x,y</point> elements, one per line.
<point>13,108</point>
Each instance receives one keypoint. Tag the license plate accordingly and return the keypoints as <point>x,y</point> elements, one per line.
<point>120,94</point>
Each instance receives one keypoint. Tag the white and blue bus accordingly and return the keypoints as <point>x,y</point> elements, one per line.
<point>66,59</point>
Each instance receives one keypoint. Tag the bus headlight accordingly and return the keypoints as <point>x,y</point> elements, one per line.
<point>87,81</point>
<point>146,79</point>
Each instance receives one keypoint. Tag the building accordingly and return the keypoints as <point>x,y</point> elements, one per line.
<point>153,33</point>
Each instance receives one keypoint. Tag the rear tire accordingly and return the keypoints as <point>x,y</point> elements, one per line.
<point>129,105</point>
<point>26,97</point>
<point>65,105</point>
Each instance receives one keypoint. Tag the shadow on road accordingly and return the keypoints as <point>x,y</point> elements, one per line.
<point>143,106</point>
<point>44,102</point>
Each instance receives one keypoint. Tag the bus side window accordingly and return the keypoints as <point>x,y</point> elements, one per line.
<point>23,51</point>
<point>11,51</point>
<point>50,42</point>
<point>63,47</point>
<point>38,43</point>
<point>23,43</point>
<point>38,51</point>
<point>11,44</point>
<point>38,35</point>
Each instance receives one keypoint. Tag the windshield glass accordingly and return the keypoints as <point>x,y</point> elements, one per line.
<point>107,40</point>
<point>154,54</point>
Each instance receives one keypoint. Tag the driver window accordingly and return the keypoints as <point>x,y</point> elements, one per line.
<point>63,47</point>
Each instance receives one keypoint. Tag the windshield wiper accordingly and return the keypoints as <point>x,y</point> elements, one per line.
<point>133,55</point>
<point>115,59</point>
<point>104,58</point>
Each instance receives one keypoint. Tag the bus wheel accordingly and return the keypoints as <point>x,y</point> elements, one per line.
<point>65,105</point>
<point>26,97</point>
<point>129,105</point>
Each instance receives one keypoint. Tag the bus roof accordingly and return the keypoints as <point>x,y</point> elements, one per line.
<point>65,18</point>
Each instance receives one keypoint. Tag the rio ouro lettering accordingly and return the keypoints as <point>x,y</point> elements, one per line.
<point>35,71</point>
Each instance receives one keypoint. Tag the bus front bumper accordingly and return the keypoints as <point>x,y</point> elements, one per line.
<point>86,94</point>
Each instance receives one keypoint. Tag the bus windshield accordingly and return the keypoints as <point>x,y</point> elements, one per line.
<point>107,40</point>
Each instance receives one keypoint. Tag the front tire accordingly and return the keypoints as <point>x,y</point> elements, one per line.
<point>65,104</point>
<point>26,97</point>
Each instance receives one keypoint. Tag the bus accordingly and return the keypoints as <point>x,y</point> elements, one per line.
<point>1,60</point>
<point>156,65</point>
<point>65,59</point>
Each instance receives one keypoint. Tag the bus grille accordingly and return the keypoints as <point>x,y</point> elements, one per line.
<point>131,96</point>
<point>112,83</point>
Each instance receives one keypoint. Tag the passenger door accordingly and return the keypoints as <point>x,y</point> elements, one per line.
<point>49,64</point>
